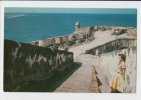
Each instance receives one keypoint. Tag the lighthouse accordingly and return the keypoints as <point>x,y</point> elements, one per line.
<point>77,25</point>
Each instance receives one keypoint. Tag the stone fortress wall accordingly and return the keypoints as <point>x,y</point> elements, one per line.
<point>109,62</point>
<point>117,44</point>
<point>83,34</point>
<point>24,63</point>
<point>76,35</point>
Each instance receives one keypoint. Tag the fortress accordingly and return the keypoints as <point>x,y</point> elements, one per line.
<point>38,62</point>
<point>81,35</point>
<point>78,34</point>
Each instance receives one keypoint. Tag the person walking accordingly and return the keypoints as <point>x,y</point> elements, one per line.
<point>96,53</point>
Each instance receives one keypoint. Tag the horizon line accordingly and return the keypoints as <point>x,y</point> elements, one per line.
<point>71,10</point>
<point>57,13</point>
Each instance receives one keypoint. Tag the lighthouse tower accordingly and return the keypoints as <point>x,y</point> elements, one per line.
<point>77,25</point>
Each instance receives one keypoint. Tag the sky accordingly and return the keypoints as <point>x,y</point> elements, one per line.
<point>70,10</point>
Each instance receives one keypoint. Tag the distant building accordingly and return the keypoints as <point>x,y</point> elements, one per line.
<point>77,25</point>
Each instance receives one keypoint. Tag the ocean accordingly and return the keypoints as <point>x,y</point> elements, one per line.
<point>27,27</point>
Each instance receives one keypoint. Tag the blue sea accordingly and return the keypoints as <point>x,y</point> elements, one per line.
<point>26,27</point>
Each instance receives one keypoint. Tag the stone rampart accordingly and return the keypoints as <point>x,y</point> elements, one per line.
<point>109,62</point>
<point>113,45</point>
<point>24,62</point>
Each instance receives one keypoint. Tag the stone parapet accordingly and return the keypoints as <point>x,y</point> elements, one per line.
<point>117,44</point>
<point>109,62</point>
<point>24,63</point>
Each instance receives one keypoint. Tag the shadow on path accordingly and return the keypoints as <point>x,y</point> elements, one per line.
<point>54,82</point>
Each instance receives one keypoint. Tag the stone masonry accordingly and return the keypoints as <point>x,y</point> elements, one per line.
<point>24,63</point>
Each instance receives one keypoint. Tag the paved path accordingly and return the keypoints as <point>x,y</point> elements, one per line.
<point>80,80</point>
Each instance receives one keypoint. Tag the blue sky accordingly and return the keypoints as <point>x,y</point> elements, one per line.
<point>71,10</point>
